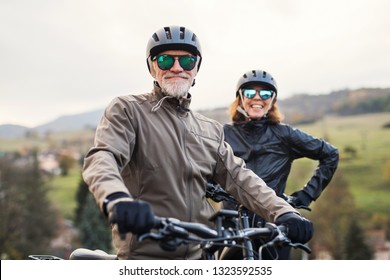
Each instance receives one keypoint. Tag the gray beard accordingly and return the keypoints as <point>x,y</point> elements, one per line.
<point>177,90</point>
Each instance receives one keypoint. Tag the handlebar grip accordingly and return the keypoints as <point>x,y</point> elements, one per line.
<point>157,222</point>
<point>283,228</point>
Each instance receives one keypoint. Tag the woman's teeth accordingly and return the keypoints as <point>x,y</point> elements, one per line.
<point>257,106</point>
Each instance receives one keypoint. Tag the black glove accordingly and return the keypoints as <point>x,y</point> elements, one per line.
<point>300,229</point>
<point>132,216</point>
<point>299,199</point>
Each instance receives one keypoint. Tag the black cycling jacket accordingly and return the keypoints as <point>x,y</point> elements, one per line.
<point>270,149</point>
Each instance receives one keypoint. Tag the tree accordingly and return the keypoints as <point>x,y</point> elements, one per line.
<point>355,247</point>
<point>66,162</point>
<point>331,217</point>
<point>94,228</point>
<point>81,198</point>
<point>28,221</point>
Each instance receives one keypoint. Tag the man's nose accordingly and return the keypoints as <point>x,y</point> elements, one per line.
<point>176,66</point>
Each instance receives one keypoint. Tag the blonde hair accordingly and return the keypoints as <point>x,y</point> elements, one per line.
<point>274,116</point>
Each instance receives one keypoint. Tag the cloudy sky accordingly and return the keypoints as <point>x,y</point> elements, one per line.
<point>61,57</point>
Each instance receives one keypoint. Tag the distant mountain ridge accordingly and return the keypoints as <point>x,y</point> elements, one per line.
<point>63,123</point>
<point>72,122</point>
<point>299,108</point>
<point>306,108</point>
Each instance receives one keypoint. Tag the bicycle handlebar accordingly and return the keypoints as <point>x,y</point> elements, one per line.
<point>179,229</point>
<point>171,232</point>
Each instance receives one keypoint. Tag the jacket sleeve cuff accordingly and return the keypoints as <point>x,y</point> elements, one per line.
<point>114,197</point>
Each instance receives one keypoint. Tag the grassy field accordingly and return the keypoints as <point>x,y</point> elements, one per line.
<point>63,192</point>
<point>365,173</point>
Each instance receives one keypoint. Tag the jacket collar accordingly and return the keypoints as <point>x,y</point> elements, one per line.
<point>182,104</point>
<point>253,124</point>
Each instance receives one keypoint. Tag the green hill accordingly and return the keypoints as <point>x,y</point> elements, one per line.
<point>363,142</point>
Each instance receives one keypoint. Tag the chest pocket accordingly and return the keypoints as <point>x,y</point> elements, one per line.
<point>201,150</point>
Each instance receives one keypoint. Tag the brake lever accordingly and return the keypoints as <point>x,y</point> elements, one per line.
<point>283,240</point>
<point>151,235</point>
<point>168,230</point>
<point>280,237</point>
<point>301,246</point>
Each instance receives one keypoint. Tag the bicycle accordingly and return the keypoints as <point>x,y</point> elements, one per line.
<point>218,243</point>
<point>226,235</point>
<point>231,236</point>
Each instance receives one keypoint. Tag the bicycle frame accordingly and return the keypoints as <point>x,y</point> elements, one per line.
<point>240,220</point>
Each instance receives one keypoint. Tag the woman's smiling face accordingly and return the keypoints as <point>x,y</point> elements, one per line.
<point>256,107</point>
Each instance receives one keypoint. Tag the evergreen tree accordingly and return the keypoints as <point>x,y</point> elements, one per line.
<point>28,220</point>
<point>94,229</point>
<point>355,247</point>
<point>81,198</point>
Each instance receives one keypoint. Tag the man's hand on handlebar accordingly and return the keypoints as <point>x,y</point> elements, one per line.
<point>300,229</point>
<point>132,216</point>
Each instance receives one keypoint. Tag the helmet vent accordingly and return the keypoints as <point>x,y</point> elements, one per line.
<point>168,33</point>
<point>182,32</point>
<point>254,73</point>
<point>155,37</point>
<point>264,74</point>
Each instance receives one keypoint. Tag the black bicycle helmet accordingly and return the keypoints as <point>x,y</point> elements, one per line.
<point>256,76</point>
<point>173,38</point>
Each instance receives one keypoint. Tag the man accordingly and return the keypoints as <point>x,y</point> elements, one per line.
<point>153,155</point>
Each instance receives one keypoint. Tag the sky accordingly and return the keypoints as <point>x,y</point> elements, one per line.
<point>64,57</point>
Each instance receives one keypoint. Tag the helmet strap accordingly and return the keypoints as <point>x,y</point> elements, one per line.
<point>240,109</point>
<point>269,106</point>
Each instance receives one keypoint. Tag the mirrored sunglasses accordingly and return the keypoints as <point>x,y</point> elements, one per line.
<point>166,61</point>
<point>263,93</point>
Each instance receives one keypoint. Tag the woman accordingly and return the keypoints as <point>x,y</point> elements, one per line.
<point>269,146</point>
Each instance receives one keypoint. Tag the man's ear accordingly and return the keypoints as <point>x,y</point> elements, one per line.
<point>152,71</point>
